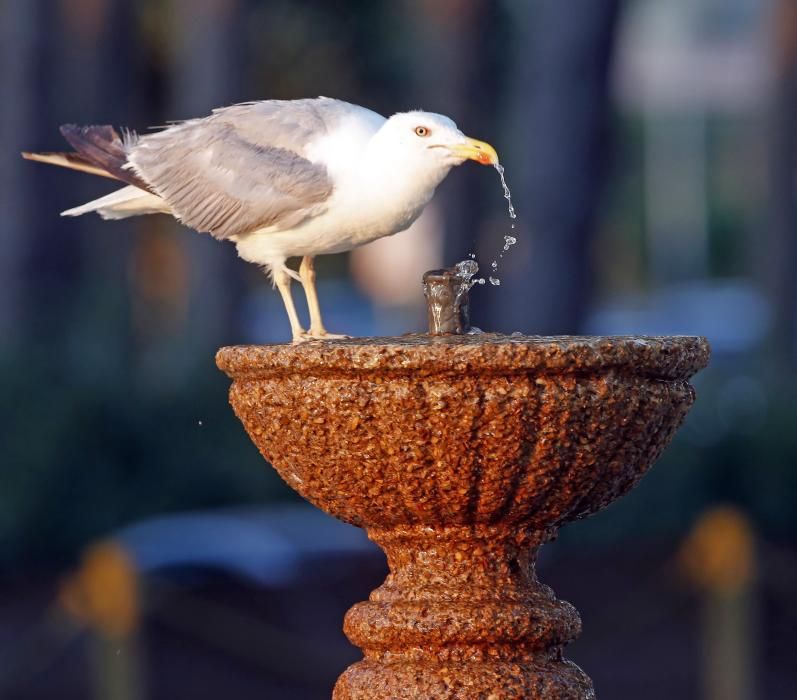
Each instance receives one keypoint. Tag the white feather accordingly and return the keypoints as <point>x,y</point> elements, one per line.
<point>129,201</point>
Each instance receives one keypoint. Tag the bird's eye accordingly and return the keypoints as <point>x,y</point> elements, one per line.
<point>422,131</point>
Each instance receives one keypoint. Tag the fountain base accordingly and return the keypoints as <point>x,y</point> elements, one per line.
<point>462,615</point>
<point>461,455</point>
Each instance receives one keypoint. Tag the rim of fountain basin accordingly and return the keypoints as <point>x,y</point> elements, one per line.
<point>665,358</point>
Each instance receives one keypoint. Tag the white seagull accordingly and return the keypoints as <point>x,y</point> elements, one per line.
<point>279,178</point>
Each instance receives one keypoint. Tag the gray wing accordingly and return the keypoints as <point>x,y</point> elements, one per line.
<point>242,168</point>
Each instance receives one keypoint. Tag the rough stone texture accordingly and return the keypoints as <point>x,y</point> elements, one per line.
<point>461,455</point>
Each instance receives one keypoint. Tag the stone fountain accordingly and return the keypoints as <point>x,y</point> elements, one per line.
<point>461,454</point>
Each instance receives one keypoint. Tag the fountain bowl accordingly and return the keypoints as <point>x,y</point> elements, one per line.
<point>461,455</point>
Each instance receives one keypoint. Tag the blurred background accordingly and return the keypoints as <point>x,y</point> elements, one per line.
<point>146,551</point>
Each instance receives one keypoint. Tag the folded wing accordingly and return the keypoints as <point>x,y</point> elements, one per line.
<point>243,168</point>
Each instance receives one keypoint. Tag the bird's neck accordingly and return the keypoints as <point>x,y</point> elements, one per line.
<point>387,174</point>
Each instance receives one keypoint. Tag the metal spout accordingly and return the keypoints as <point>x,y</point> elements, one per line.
<point>446,293</point>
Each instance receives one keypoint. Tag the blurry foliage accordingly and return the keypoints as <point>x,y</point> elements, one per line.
<point>96,439</point>
<point>735,194</point>
<point>734,198</point>
<point>620,251</point>
<point>304,49</point>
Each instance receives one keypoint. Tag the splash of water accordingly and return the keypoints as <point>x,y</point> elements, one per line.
<point>467,269</point>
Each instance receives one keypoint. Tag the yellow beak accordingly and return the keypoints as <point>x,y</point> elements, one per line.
<point>473,149</point>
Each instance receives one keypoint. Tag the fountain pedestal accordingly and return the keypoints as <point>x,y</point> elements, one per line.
<point>461,456</point>
<point>462,615</point>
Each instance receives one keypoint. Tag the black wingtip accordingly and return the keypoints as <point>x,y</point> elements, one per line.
<point>68,129</point>
<point>102,146</point>
<point>95,133</point>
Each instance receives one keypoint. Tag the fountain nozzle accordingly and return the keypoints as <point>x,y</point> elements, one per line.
<point>446,293</point>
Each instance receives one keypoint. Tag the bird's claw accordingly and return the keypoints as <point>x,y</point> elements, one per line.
<point>304,336</point>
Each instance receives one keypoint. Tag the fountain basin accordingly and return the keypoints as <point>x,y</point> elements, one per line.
<point>461,455</point>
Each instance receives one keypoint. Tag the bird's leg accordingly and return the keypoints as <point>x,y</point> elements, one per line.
<point>282,278</point>
<point>307,276</point>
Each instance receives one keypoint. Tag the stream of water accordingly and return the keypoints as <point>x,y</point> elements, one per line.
<point>469,268</point>
<point>509,240</point>
<point>507,193</point>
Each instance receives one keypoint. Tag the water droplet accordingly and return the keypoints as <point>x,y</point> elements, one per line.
<point>495,281</point>
<point>509,241</point>
<point>199,422</point>
<point>494,264</point>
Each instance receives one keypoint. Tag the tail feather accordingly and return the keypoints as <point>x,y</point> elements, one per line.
<point>74,161</point>
<point>101,151</point>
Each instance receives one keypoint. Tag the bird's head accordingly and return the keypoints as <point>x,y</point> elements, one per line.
<point>433,140</point>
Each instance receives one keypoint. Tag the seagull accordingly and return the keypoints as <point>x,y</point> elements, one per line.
<point>278,178</point>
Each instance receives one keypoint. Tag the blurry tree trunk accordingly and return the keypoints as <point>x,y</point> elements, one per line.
<point>96,78</point>
<point>77,71</point>
<point>562,111</point>
<point>51,261</point>
<point>207,70</point>
<point>782,260</point>
<point>17,96</point>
